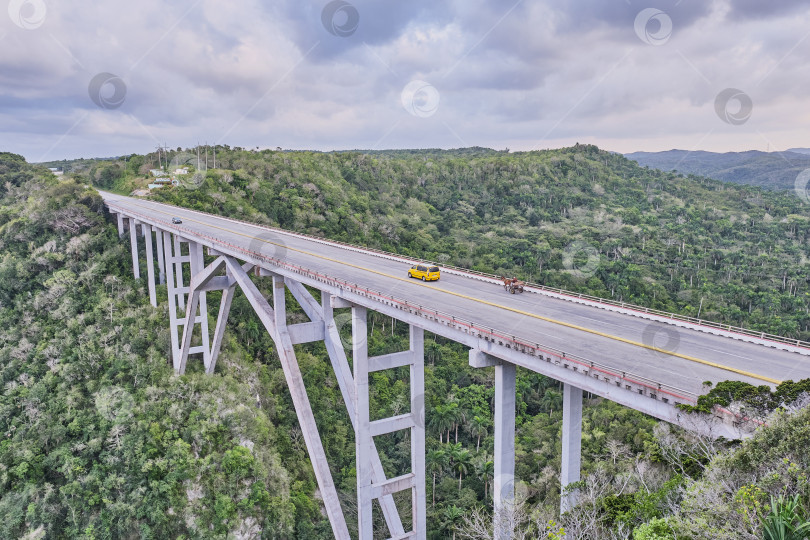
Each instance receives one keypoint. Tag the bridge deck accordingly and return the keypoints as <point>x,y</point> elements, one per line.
<point>612,339</point>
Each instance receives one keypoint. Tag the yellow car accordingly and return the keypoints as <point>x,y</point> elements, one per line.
<point>424,272</point>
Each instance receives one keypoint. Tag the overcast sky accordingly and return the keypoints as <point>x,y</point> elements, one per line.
<point>81,79</point>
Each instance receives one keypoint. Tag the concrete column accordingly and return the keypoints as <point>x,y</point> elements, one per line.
<point>150,264</point>
<point>571,443</point>
<point>365,523</point>
<point>418,432</point>
<point>120,225</point>
<point>340,364</point>
<point>219,330</point>
<point>171,282</point>
<point>197,264</point>
<point>133,236</point>
<point>179,259</point>
<point>503,485</point>
<point>279,301</point>
<point>161,262</point>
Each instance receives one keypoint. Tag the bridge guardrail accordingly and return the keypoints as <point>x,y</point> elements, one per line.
<point>553,290</point>
<point>627,380</point>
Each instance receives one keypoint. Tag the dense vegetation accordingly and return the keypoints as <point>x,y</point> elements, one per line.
<point>733,254</point>
<point>100,440</point>
<point>768,170</point>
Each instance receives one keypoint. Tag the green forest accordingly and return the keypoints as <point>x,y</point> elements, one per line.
<point>101,440</point>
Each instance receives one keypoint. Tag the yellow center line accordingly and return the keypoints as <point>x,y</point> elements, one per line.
<point>492,304</point>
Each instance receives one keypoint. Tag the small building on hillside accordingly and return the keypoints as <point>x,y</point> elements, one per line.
<point>182,171</point>
<point>56,170</point>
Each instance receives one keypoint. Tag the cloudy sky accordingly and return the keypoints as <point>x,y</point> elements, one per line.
<point>81,79</point>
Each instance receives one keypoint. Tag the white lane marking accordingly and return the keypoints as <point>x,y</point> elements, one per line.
<point>728,353</point>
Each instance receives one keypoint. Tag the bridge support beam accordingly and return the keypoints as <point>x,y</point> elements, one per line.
<point>346,382</point>
<point>219,330</point>
<point>178,292</point>
<point>571,445</point>
<point>274,320</point>
<point>160,253</point>
<point>503,480</point>
<point>371,481</point>
<point>417,376</point>
<point>150,263</point>
<point>133,238</point>
<point>120,220</point>
<point>202,281</point>
<point>503,486</point>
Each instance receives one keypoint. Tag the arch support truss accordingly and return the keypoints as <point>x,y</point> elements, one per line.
<point>226,274</point>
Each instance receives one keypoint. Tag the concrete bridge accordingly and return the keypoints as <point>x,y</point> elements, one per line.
<point>650,361</point>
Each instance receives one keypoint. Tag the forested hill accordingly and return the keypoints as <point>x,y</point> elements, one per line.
<point>769,170</point>
<point>735,254</point>
<point>98,438</point>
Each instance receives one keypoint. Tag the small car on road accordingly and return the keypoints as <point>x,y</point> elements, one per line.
<point>424,272</point>
<point>176,220</point>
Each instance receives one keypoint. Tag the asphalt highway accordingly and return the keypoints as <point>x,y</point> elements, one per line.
<point>623,342</point>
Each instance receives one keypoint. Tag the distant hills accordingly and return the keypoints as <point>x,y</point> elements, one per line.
<point>769,170</point>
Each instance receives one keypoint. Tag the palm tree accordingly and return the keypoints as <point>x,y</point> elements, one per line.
<point>479,426</point>
<point>435,461</point>
<point>442,418</point>
<point>252,332</point>
<point>461,461</point>
<point>453,414</point>
<point>551,400</point>
<point>451,518</point>
<point>460,418</point>
<point>485,470</point>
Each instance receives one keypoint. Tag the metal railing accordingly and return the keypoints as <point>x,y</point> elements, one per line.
<point>625,380</point>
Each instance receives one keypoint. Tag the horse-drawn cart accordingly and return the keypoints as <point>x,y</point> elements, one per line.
<point>512,285</point>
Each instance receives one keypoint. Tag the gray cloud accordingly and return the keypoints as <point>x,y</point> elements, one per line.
<point>756,9</point>
<point>583,15</point>
<point>518,74</point>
